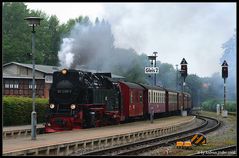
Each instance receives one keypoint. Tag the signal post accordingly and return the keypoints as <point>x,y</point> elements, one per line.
<point>184,73</point>
<point>224,76</point>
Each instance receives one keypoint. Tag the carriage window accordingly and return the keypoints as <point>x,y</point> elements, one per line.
<point>141,98</point>
<point>154,97</point>
<point>149,97</point>
<point>152,94</point>
<point>158,97</point>
<point>131,97</point>
<point>163,97</point>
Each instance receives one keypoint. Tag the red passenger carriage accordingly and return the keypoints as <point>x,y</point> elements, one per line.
<point>171,100</point>
<point>132,100</point>
<point>154,99</point>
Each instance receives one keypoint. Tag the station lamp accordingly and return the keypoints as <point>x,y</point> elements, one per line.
<point>33,22</point>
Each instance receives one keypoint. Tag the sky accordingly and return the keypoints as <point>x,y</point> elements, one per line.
<point>194,31</point>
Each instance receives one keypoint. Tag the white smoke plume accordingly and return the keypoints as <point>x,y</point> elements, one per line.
<point>65,55</point>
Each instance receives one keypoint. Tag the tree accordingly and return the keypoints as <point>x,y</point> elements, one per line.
<point>51,53</point>
<point>230,56</point>
<point>17,35</point>
<point>16,39</point>
<point>194,87</point>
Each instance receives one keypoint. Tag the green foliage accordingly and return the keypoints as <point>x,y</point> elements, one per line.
<point>17,35</point>
<point>231,106</point>
<point>15,32</point>
<point>17,110</point>
<point>211,105</point>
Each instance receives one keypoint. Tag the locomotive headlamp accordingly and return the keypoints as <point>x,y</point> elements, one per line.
<point>64,71</point>
<point>73,106</point>
<point>52,106</point>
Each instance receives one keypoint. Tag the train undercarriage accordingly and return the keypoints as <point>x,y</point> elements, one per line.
<point>84,116</point>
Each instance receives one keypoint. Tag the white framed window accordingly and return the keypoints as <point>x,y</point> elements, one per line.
<point>30,84</point>
<point>7,85</point>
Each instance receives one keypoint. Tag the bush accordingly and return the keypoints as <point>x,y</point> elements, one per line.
<point>17,110</point>
<point>230,106</point>
<point>211,105</point>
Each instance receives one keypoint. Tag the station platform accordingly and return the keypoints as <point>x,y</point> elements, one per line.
<point>21,127</point>
<point>21,130</point>
<point>16,145</point>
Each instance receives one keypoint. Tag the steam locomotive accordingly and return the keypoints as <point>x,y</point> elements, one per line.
<point>79,99</point>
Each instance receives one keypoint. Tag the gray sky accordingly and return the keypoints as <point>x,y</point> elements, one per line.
<point>194,31</point>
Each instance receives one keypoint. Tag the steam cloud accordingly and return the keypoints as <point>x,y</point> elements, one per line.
<point>92,47</point>
<point>65,54</point>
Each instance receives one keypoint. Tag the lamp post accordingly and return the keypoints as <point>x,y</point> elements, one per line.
<point>33,21</point>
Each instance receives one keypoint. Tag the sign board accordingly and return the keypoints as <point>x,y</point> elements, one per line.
<point>199,138</point>
<point>48,78</point>
<point>151,70</point>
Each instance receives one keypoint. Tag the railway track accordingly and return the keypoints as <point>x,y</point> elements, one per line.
<point>136,148</point>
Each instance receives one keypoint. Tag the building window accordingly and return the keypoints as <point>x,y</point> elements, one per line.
<point>11,84</point>
<point>6,84</point>
<point>16,83</point>
<point>30,84</point>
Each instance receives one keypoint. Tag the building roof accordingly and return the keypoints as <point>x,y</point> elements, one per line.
<point>43,68</point>
<point>48,69</point>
